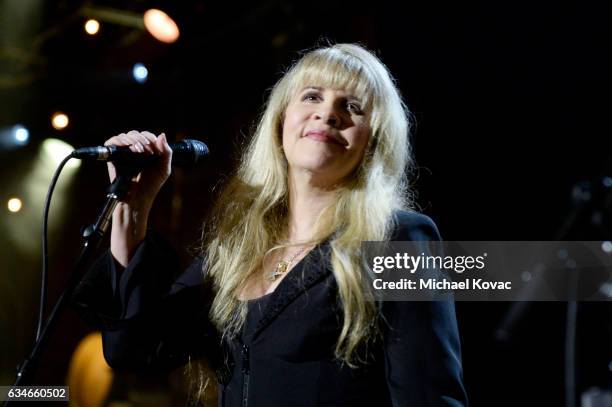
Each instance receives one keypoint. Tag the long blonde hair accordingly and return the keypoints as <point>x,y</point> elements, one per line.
<point>250,217</point>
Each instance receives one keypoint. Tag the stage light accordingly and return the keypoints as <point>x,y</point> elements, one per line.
<point>12,137</point>
<point>55,151</point>
<point>92,27</point>
<point>14,204</point>
<point>33,184</point>
<point>89,376</point>
<point>161,26</point>
<point>59,121</point>
<point>606,246</point>
<point>21,134</point>
<point>140,73</point>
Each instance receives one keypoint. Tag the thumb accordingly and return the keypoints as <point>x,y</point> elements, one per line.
<point>165,147</point>
<point>161,142</point>
<point>165,144</point>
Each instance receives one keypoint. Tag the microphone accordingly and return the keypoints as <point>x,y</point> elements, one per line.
<point>185,153</point>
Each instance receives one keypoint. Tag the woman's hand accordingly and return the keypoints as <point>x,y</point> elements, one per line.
<point>131,214</point>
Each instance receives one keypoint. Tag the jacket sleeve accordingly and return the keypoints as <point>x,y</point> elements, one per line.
<point>422,348</point>
<point>149,320</point>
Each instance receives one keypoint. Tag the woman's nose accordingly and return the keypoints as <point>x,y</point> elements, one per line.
<point>329,114</point>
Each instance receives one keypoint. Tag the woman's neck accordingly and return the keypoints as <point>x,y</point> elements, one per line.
<point>307,200</point>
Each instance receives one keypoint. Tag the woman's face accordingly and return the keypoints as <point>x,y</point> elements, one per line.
<point>325,133</point>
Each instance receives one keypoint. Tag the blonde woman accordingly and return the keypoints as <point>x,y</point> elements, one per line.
<point>277,302</point>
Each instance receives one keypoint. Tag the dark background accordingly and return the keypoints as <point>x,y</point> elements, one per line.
<point>512,106</point>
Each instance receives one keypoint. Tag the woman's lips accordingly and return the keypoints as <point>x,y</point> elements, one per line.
<point>323,136</point>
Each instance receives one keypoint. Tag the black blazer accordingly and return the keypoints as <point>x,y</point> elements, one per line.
<point>151,322</point>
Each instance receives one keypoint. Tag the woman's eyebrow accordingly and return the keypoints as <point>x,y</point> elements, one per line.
<point>348,96</point>
<point>311,88</point>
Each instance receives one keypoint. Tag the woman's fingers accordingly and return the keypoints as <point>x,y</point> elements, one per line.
<point>118,140</point>
<point>138,142</point>
<point>143,142</point>
<point>148,136</point>
<point>149,179</point>
<point>155,143</point>
<point>123,140</point>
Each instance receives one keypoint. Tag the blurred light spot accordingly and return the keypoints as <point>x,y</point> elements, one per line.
<point>606,246</point>
<point>607,181</point>
<point>161,26</point>
<point>14,204</point>
<point>606,289</point>
<point>140,73</point>
<point>56,150</point>
<point>21,134</point>
<point>526,276</point>
<point>89,376</point>
<point>59,121</point>
<point>92,27</point>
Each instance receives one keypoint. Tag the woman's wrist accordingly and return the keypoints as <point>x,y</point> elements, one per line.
<point>129,229</point>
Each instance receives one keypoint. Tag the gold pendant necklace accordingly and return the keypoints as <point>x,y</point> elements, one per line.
<point>282,266</point>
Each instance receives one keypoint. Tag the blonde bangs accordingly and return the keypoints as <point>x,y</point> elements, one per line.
<point>334,70</point>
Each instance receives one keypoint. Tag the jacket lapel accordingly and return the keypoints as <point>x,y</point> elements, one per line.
<point>310,270</point>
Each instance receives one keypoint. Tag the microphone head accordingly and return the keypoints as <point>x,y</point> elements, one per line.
<point>188,152</point>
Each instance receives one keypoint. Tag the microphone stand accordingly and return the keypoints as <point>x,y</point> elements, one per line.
<point>582,203</point>
<point>92,237</point>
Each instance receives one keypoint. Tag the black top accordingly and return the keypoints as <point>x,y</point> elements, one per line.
<point>256,312</point>
<point>285,357</point>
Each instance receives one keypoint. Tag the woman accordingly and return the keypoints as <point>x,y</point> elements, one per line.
<point>277,301</point>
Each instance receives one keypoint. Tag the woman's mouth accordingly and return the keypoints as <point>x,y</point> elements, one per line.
<point>323,136</point>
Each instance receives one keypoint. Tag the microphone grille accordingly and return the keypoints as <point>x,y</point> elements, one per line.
<point>200,149</point>
<point>195,152</point>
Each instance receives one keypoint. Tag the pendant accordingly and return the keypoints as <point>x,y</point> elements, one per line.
<point>281,268</point>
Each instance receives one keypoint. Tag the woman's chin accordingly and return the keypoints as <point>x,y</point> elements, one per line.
<point>313,167</point>
<point>319,174</point>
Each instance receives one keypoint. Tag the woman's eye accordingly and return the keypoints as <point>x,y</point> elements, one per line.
<point>311,97</point>
<point>353,107</point>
